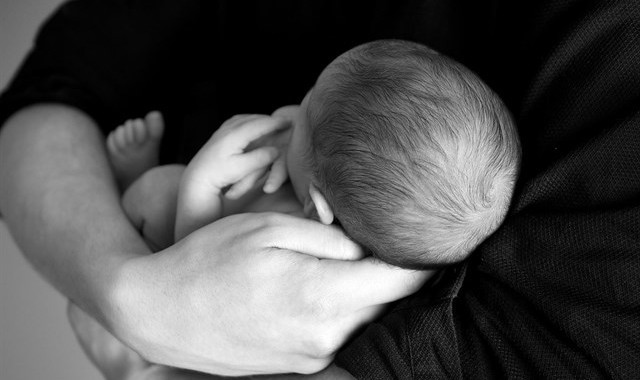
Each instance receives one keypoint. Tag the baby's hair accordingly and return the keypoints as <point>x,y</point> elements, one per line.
<point>415,154</point>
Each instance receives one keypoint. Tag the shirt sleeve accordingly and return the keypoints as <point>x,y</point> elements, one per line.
<point>112,59</point>
<point>554,293</point>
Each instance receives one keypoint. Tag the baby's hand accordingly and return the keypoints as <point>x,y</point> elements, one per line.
<point>279,174</point>
<point>228,160</point>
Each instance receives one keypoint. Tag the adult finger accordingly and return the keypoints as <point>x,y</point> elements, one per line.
<point>369,281</point>
<point>312,238</point>
<point>362,283</point>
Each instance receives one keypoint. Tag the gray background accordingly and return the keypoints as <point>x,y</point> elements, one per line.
<point>36,341</point>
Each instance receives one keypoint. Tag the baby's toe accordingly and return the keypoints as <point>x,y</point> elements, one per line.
<point>112,145</point>
<point>155,124</point>
<point>120,137</point>
<point>139,131</point>
<point>130,137</point>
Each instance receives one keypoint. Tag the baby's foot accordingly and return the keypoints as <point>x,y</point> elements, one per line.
<point>133,147</point>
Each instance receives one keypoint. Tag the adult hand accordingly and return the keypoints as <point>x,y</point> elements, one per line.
<point>236,297</point>
<point>118,362</point>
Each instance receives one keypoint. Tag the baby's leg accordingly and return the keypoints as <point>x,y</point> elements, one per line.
<point>150,197</point>
<point>150,204</point>
<point>133,147</point>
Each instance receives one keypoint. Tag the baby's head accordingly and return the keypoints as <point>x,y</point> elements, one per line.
<point>410,151</point>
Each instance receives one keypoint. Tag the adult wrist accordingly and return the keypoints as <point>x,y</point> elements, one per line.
<point>126,300</point>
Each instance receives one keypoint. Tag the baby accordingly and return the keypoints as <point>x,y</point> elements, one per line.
<point>409,151</point>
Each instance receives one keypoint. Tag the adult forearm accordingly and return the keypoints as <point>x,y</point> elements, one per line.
<point>231,298</point>
<point>60,202</point>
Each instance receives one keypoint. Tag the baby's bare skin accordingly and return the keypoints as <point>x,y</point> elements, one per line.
<point>150,203</point>
<point>163,196</point>
<point>226,168</point>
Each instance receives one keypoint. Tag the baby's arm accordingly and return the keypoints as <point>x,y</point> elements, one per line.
<point>220,163</point>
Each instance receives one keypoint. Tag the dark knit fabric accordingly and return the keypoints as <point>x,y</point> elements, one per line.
<point>555,292</point>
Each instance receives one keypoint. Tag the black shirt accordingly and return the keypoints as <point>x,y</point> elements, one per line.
<point>555,292</point>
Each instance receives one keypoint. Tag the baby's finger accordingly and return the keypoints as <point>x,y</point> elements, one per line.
<point>287,112</point>
<point>246,132</point>
<point>241,187</point>
<point>277,176</point>
<point>256,159</point>
<point>238,119</point>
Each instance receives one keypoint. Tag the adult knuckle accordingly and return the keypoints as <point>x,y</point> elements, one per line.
<point>324,347</point>
<point>323,343</point>
<point>329,344</point>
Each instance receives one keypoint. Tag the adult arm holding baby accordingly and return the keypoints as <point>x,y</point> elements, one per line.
<point>143,298</point>
<point>61,203</point>
<point>551,294</point>
<point>221,163</point>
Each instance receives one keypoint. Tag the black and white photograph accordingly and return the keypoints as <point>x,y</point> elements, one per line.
<point>322,189</point>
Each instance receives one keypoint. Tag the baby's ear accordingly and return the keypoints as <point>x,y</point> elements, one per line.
<point>325,214</point>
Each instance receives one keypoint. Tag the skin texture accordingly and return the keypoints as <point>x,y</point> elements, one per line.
<point>118,362</point>
<point>223,162</point>
<point>190,305</point>
<point>40,194</point>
